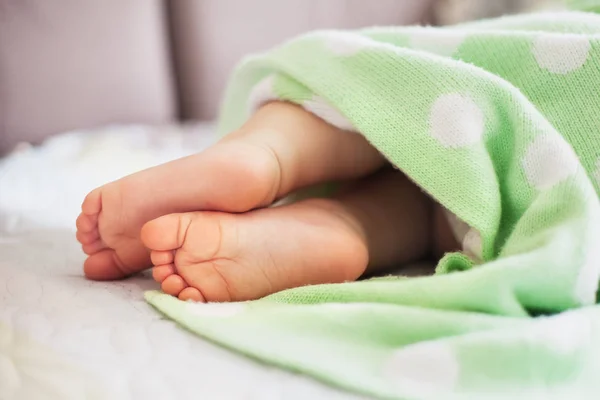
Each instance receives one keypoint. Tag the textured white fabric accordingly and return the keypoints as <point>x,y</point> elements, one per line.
<point>63,337</point>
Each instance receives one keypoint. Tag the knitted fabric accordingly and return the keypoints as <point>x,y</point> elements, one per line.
<point>499,121</point>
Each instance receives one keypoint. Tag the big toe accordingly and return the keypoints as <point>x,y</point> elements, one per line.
<point>166,233</point>
<point>103,266</point>
<point>92,204</point>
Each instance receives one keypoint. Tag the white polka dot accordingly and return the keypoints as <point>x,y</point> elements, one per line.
<point>262,93</point>
<point>565,333</point>
<point>423,369</point>
<point>216,309</point>
<point>473,245</point>
<point>436,41</point>
<point>456,121</point>
<point>560,53</point>
<point>548,161</point>
<point>345,44</point>
<point>318,106</point>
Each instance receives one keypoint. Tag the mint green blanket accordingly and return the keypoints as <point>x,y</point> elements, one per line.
<point>500,122</point>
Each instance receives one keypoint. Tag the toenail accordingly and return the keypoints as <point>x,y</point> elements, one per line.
<point>191,294</point>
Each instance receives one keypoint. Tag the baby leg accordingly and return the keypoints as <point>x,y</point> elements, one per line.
<point>212,256</point>
<point>280,149</point>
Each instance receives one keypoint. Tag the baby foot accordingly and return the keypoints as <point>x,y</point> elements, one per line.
<point>106,231</point>
<point>280,149</point>
<point>216,257</point>
<point>112,215</point>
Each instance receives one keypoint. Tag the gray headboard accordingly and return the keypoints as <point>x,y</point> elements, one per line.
<point>69,64</point>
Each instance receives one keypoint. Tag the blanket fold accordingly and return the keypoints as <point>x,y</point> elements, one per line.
<point>499,121</point>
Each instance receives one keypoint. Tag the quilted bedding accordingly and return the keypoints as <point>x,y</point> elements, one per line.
<point>63,337</point>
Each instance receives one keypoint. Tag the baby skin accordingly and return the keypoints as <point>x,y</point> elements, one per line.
<point>205,223</point>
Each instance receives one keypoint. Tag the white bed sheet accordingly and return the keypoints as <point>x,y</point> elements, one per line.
<point>64,337</point>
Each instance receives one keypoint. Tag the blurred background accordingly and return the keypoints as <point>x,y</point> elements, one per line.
<point>91,91</point>
<point>71,64</point>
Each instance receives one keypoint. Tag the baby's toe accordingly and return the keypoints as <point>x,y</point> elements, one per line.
<point>173,285</point>
<point>92,204</point>
<point>86,223</point>
<point>102,266</point>
<point>87,237</point>
<point>162,272</point>
<point>162,257</point>
<point>166,233</point>
<point>93,247</point>
<point>191,293</point>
